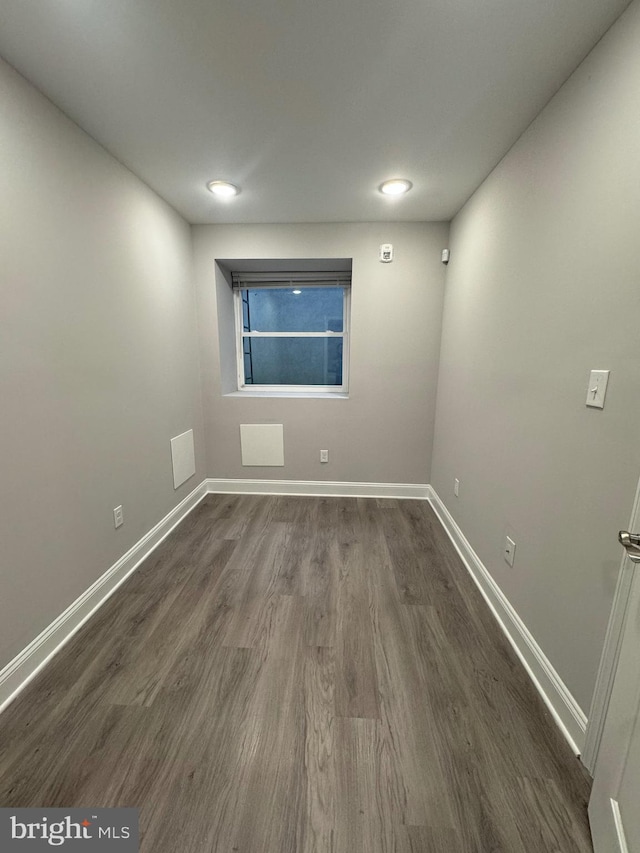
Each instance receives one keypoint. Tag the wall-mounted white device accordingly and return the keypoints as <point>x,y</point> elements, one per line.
<point>386,253</point>
<point>445,256</point>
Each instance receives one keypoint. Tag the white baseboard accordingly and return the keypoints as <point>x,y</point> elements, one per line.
<point>564,708</point>
<point>318,488</point>
<point>18,673</point>
<point>621,837</point>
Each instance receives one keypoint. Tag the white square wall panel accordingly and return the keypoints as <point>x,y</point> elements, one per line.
<point>262,444</point>
<point>183,458</point>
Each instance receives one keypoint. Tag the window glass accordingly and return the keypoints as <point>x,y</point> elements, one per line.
<point>293,361</point>
<point>293,334</point>
<point>293,309</point>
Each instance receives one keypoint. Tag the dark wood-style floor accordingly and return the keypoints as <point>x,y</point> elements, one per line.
<point>287,675</point>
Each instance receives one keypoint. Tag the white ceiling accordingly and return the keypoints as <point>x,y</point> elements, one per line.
<point>306,104</point>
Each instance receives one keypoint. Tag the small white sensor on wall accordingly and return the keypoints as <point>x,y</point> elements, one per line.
<point>386,253</point>
<point>445,256</point>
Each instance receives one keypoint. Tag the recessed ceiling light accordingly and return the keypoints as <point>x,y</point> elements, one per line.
<point>397,186</point>
<point>223,189</point>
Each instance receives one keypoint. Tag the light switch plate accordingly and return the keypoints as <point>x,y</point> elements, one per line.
<point>509,550</point>
<point>597,388</point>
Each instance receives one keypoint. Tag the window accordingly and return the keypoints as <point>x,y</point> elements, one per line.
<point>292,330</point>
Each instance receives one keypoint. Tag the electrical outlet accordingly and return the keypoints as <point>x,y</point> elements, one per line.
<point>118,516</point>
<point>509,550</point>
<point>324,455</point>
<point>456,487</point>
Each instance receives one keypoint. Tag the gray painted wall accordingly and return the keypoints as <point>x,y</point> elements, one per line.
<point>383,432</point>
<point>98,360</point>
<point>544,285</point>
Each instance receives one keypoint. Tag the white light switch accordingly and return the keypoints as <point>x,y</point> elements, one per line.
<point>509,550</point>
<point>597,388</point>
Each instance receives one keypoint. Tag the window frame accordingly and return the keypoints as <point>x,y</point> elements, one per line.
<point>298,282</point>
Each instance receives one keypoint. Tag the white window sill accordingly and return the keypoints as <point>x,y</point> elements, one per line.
<point>307,395</point>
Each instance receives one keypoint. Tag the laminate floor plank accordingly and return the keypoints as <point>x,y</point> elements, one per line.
<point>320,589</point>
<point>429,839</point>
<point>258,589</point>
<point>356,678</point>
<point>561,831</point>
<point>505,738</point>
<point>174,557</point>
<point>365,819</point>
<point>300,675</point>
<point>417,566</point>
<point>271,788</point>
<point>151,656</point>
<point>75,681</point>
<point>320,750</point>
<point>298,553</point>
<point>407,731</point>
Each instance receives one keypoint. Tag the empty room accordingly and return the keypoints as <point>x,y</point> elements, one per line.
<point>320,395</point>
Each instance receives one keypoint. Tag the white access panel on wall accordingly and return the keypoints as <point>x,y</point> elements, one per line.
<point>262,444</point>
<point>183,458</point>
